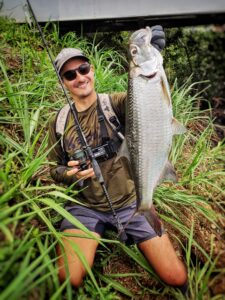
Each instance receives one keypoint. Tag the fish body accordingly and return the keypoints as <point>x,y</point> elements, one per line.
<point>149,123</point>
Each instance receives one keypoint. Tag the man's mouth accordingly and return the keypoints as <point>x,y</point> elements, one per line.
<point>82,85</point>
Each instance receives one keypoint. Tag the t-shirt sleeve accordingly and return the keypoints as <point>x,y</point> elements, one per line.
<point>118,101</point>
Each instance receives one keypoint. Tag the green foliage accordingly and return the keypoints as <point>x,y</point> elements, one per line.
<point>32,206</point>
<point>107,65</point>
<point>196,51</point>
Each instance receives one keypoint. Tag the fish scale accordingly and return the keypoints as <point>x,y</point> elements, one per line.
<point>149,132</point>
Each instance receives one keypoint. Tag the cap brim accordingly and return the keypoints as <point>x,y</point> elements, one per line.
<point>69,58</point>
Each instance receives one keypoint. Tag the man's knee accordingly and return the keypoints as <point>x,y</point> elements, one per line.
<point>69,264</point>
<point>175,277</point>
<point>75,279</point>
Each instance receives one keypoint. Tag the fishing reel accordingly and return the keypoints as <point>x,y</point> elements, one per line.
<point>81,156</point>
<point>100,153</point>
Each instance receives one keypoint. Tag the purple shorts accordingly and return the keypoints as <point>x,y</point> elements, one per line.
<point>137,230</point>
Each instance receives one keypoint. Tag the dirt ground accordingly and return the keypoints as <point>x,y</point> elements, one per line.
<point>204,233</point>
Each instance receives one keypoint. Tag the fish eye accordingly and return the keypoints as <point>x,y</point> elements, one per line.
<point>133,51</point>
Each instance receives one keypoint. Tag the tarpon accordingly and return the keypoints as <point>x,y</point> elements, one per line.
<point>150,125</point>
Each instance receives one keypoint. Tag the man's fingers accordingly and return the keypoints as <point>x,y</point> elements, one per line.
<point>73,163</point>
<point>81,174</point>
<point>85,174</point>
<point>73,171</point>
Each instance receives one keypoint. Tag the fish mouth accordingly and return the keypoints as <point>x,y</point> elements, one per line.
<point>149,69</point>
<point>150,76</point>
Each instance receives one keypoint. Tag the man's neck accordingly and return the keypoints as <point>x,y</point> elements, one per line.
<point>85,102</point>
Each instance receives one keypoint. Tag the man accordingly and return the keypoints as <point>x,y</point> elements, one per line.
<point>78,78</point>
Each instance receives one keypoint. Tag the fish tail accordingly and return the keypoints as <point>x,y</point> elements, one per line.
<point>153,219</point>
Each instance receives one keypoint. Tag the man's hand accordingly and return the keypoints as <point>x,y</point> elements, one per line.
<point>76,170</point>
<point>158,37</point>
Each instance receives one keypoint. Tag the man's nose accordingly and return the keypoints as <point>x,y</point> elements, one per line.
<point>79,76</point>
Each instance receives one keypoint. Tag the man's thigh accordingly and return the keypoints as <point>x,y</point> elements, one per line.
<point>161,255</point>
<point>71,253</point>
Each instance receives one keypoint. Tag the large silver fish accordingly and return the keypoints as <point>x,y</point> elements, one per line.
<point>150,125</point>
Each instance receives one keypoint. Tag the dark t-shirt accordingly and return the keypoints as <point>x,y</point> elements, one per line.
<point>116,172</point>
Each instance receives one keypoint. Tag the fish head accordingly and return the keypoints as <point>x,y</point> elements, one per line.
<point>143,56</point>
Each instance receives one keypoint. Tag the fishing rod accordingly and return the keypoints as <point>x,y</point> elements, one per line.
<point>86,148</point>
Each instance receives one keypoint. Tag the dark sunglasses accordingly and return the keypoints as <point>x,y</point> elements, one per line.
<point>83,69</point>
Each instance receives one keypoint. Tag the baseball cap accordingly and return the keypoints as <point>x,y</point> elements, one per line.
<point>66,54</point>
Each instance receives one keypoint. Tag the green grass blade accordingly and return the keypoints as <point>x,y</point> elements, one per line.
<point>115,284</point>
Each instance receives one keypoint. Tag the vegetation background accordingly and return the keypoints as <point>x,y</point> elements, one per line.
<point>31,205</point>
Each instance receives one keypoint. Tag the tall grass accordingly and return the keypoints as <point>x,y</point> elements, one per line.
<point>32,205</point>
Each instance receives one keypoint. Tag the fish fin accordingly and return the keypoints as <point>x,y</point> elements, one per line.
<point>153,219</point>
<point>168,173</point>
<point>123,151</point>
<point>165,87</point>
<point>177,127</point>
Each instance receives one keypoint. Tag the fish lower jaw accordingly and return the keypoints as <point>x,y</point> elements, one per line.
<point>148,73</point>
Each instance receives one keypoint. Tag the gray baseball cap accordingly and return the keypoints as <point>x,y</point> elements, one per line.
<point>66,54</point>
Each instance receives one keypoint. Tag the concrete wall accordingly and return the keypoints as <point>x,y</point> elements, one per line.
<point>74,10</point>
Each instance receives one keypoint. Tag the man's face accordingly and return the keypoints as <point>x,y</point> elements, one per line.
<point>83,85</point>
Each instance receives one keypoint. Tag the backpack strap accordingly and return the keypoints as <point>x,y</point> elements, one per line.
<point>110,114</point>
<point>61,123</point>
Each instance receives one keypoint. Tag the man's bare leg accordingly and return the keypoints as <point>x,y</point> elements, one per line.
<point>76,269</point>
<point>161,255</point>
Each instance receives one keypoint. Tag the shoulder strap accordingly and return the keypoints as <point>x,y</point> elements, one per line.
<point>110,114</point>
<point>101,119</point>
<point>61,123</point>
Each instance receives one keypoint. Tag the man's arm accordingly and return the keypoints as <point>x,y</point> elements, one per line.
<point>59,170</point>
<point>62,172</point>
<point>118,101</point>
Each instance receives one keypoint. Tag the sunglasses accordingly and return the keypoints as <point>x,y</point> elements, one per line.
<point>83,69</point>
